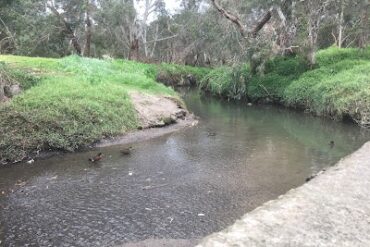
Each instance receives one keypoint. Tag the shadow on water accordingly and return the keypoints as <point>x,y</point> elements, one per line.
<point>181,186</point>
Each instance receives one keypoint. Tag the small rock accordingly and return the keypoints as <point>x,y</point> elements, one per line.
<point>13,90</point>
<point>130,173</point>
<point>160,123</point>
<point>169,120</point>
<point>201,215</point>
<point>31,161</point>
<point>173,118</point>
<point>180,114</point>
<point>53,178</point>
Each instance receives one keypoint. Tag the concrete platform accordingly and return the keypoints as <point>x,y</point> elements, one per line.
<point>333,209</point>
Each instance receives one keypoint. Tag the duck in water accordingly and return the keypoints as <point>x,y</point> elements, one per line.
<point>127,151</point>
<point>98,157</point>
<point>331,144</point>
<point>210,134</point>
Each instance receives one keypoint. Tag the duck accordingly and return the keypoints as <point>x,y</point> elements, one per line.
<point>98,157</point>
<point>31,161</point>
<point>127,151</point>
<point>209,134</point>
<point>331,144</point>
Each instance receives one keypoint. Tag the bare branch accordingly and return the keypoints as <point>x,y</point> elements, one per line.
<point>242,29</point>
<point>235,19</point>
<point>161,39</point>
<point>261,23</point>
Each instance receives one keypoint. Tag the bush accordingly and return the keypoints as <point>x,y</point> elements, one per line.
<point>227,82</point>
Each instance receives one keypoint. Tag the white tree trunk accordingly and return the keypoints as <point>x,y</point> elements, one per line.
<point>341,24</point>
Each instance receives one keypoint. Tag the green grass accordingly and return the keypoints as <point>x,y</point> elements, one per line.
<point>339,87</point>
<point>72,102</point>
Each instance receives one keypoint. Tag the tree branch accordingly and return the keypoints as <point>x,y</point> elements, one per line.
<point>67,28</point>
<point>233,18</point>
<point>161,39</point>
<point>261,23</point>
<point>242,29</point>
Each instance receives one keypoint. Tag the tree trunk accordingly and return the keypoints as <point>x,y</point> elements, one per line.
<point>364,24</point>
<point>88,31</point>
<point>2,94</point>
<point>288,27</point>
<point>340,27</point>
<point>76,45</point>
<point>67,29</point>
<point>134,49</point>
<point>315,10</point>
<point>311,50</point>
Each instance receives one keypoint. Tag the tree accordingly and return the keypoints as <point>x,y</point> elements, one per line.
<point>315,10</point>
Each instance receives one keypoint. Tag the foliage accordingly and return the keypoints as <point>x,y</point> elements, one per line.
<point>280,72</point>
<point>228,82</point>
<point>334,55</point>
<point>340,90</point>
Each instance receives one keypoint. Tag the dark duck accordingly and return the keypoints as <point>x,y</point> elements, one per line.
<point>331,144</point>
<point>127,151</point>
<point>96,158</point>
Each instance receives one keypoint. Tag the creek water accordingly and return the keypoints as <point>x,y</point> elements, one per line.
<point>184,185</point>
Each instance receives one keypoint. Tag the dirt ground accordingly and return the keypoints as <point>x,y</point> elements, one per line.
<point>157,111</point>
<point>158,115</point>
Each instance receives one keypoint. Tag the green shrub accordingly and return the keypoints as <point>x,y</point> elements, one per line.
<point>334,55</point>
<point>286,66</point>
<point>228,82</point>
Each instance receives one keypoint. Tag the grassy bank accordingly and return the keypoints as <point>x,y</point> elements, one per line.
<point>339,87</point>
<point>72,102</point>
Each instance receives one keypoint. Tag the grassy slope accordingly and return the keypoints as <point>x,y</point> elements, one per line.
<point>71,102</point>
<point>338,87</point>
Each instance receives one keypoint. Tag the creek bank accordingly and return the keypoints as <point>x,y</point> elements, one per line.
<point>73,102</point>
<point>158,115</point>
<point>337,88</point>
<point>330,210</point>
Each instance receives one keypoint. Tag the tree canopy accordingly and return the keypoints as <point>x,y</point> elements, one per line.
<point>200,32</point>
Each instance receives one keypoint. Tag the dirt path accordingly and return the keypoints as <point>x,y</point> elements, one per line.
<point>333,209</point>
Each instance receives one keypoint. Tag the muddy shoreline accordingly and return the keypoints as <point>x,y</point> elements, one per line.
<point>147,134</point>
<point>127,138</point>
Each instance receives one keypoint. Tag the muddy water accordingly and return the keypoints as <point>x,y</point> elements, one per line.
<point>181,186</point>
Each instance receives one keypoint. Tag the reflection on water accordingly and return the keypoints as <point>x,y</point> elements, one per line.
<point>180,186</point>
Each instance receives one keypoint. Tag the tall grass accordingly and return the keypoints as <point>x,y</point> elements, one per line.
<point>226,82</point>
